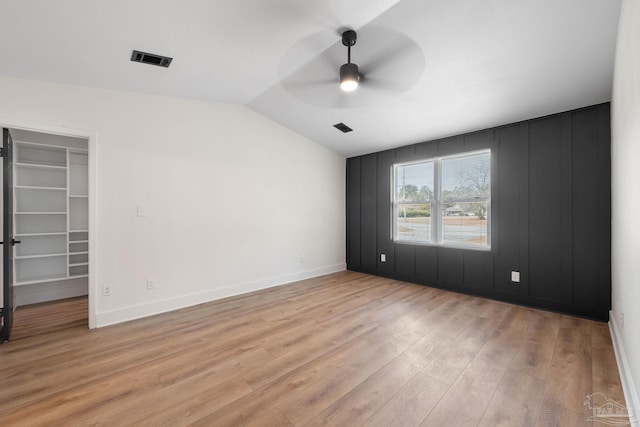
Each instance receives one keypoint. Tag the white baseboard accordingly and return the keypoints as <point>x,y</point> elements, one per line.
<point>156,307</point>
<point>628,387</point>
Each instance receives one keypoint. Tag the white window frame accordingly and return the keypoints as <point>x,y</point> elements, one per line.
<point>437,203</point>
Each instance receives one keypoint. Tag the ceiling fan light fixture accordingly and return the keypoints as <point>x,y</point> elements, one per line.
<point>349,77</point>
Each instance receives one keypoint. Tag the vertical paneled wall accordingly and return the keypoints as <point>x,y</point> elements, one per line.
<point>550,220</point>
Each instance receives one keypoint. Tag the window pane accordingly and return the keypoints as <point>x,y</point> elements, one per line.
<point>466,177</point>
<point>465,223</point>
<point>414,183</point>
<point>413,222</point>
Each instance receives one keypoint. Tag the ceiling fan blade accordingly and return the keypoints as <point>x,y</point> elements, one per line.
<point>310,50</point>
<point>390,59</point>
<point>381,84</point>
<point>314,81</point>
<point>300,84</point>
<point>309,83</point>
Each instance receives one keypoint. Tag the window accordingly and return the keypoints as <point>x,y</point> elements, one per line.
<point>444,201</point>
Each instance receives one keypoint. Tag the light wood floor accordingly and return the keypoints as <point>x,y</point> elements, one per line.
<point>49,317</point>
<point>341,350</point>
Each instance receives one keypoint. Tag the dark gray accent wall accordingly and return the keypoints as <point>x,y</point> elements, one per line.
<point>551,216</point>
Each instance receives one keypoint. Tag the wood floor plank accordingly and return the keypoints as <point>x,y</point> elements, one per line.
<point>478,382</point>
<point>323,342</point>
<point>182,403</point>
<point>515,402</point>
<point>447,365</point>
<point>569,379</point>
<point>345,349</point>
<point>369,396</point>
<point>410,406</point>
<point>456,320</point>
<point>534,356</point>
<point>342,375</point>
<point>511,331</point>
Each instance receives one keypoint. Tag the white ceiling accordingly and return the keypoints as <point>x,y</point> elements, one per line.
<point>432,68</point>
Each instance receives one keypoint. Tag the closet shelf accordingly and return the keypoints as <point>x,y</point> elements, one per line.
<point>43,279</point>
<point>78,264</point>
<point>40,166</point>
<point>40,213</point>
<point>41,256</point>
<point>62,233</point>
<point>33,187</point>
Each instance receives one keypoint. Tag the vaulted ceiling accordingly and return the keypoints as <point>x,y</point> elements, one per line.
<point>431,68</point>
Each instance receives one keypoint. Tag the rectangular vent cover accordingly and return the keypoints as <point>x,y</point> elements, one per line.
<point>151,59</point>
<point>344,128</point>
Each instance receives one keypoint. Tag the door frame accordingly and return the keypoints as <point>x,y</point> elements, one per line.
<point>7,235</point>
<point>92,140</point>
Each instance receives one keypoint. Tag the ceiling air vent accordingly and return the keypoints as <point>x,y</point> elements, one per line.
<point>344,128</point>
<point>151,59</point>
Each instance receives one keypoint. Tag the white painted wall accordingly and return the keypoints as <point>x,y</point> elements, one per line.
<point>625,156</point>
<point>235,202</point>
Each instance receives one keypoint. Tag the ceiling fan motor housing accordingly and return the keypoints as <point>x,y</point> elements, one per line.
<point>349,38</point>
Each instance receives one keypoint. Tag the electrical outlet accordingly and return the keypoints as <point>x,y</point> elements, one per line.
<point>515,276</point>
<point>151,283</point>
<point>383,258</point>
<point>106,290</point>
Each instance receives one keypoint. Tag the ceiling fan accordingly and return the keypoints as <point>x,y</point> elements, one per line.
<point>388,64</point>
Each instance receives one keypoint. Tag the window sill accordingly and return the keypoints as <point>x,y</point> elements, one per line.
<point>444,245</point>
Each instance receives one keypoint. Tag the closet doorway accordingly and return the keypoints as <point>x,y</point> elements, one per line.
<point>49,221</point>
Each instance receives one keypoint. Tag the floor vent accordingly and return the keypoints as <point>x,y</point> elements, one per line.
<point>344,128</point>
<point>151,59</point>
